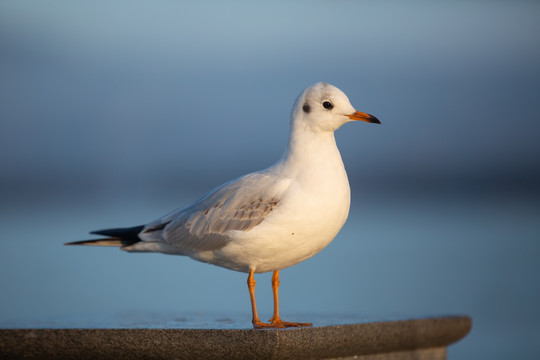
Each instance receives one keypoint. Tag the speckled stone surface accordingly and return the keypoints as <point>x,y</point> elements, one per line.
<point>405,339</point>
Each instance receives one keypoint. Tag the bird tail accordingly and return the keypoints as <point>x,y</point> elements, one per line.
<point>114,237</point>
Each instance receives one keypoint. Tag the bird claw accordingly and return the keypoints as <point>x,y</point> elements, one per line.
<point>278,324</point>
<point>293,324</point>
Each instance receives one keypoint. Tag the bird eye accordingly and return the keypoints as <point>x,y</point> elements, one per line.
<point>327,105</point>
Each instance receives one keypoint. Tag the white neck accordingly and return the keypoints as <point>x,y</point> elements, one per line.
<point>310,153</point>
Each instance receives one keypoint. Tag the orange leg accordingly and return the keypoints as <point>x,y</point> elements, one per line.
<point>275,322</point>
<point>275,289</point>
<point>256,321</point>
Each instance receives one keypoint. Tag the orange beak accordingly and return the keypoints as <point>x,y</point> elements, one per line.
<point>363,117</point>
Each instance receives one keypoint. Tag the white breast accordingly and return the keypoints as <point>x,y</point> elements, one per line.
<point>309,216</point>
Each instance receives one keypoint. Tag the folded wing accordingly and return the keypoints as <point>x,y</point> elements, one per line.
<point>239,205</point>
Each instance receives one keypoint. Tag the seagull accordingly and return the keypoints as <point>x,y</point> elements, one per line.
<point>270,219</point>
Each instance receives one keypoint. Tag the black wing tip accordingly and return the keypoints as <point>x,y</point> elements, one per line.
<point>119,232</point>
<point>113,237</point>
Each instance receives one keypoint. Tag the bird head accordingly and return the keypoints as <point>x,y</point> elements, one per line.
<point>323,107</point>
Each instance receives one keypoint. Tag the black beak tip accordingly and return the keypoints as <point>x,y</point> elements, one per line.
<point>374,120</point>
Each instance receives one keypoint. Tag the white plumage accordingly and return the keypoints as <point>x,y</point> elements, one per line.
<point>271,219</point>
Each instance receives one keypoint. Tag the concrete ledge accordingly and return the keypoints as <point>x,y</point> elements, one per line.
<point>404,339</point>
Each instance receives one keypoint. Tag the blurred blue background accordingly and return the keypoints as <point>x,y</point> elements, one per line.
<point>114,113</point>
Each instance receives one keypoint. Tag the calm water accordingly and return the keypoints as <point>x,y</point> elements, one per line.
<point>395,258</point>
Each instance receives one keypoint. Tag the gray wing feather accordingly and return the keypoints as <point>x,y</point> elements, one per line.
<point>239,205</point>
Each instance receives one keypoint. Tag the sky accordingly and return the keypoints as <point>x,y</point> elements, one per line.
<point>113,88</point>
<point>113,113</point>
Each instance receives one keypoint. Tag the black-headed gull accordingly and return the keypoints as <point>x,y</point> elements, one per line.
<point>270,219</point>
